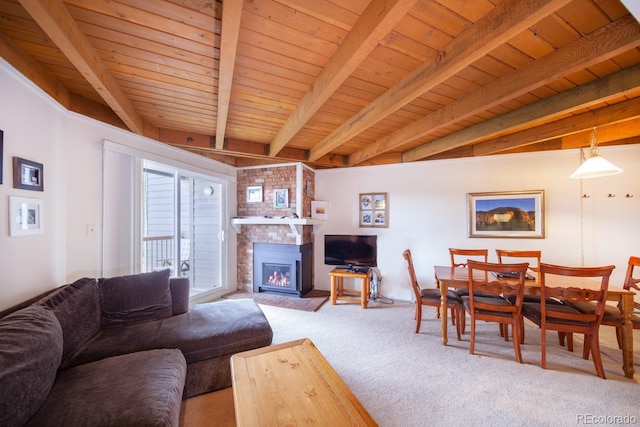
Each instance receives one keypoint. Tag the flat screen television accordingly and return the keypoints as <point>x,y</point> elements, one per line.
<point>350,251</point>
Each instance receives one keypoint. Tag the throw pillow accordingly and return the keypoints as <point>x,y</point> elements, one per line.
<point>77,307</point>
<point>30,353</point>
<point>136,298</point>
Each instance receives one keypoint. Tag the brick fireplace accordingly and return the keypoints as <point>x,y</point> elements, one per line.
<point>299,180</point>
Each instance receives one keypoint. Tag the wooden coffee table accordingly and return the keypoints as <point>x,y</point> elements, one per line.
<point>292,384</point>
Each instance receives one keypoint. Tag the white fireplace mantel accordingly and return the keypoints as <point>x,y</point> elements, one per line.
<point>294,223</point>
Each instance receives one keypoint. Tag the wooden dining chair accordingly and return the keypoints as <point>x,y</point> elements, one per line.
<point>459,258</point>
<point>563,318</point>
<point>612,315</point>
<point>431,297</point>
<point>484,278</point>
<point>533,257</point>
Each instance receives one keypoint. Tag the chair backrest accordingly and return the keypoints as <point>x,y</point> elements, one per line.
<point>486,277</point>
<point>631,282</point>
<point>551,289</point>
<point>533,258</point>
<point>412,274</point>
<point>459,257</point>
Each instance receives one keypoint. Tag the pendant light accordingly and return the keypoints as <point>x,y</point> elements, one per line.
<point>594,166</point>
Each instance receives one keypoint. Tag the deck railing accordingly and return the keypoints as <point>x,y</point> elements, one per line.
<point>158,252</point>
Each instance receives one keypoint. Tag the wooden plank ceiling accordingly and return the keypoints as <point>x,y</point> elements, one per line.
<point>338,83</point>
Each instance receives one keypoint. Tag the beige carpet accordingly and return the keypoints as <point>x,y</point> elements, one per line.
<point>405,379</point>
<point>309,302</point>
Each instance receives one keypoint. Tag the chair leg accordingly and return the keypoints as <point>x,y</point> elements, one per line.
<point>561,338</point>
<point>619,336</point>
<point>586,348</point>
<point>543,346</point>
<point>516,339</point>
<point>473,335</point>
<point>595,351</point>
<point>418,316</point>
<point>570,341</point>
<point>455,312</point>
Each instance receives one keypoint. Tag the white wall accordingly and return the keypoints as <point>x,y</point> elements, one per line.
<point>428,211</point>
<point>70,148</point>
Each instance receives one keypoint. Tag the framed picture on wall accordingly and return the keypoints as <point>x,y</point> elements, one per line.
<point>319,209</point>
<point>281,198</point>
<point>25,216</point>
<point>374,210</point>
<point>507,214</point>
<point>254,194</point>
<point>28,175</point>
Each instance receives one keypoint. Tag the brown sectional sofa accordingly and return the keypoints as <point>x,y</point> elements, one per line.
<point>119,351</point>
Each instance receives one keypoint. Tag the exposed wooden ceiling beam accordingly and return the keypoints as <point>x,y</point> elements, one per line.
<point>626,130</point>
<point>56,21</point>
<point>243,149</point>
<point>616,113</point>
<point>506,20</point>
<point>231,14</point>
<point>584,52</point>
<point>583,96</point>
<point>373,25</point>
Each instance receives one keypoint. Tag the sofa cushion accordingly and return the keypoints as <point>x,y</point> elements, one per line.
<point>206,331</point>
<point>138,389</point>
<point>136,298</point>
<point>77,307</point>
<point>30,352</point>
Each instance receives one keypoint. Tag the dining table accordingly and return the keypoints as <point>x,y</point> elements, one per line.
<point>458,278</point>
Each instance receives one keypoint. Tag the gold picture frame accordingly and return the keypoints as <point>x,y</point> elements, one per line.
<point>511,214</point>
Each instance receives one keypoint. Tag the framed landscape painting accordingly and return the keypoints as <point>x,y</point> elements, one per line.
<point>507,214</point>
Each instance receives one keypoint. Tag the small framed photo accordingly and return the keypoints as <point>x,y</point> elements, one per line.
<point>365,201</point>
<point>281,198</point>
<point>517,214</point>
<point>309,188</point>
<point>319,209</point>
<point>25,216</point>
<point>28,175</point>
<point>254,194</point>
<point>366,218</point>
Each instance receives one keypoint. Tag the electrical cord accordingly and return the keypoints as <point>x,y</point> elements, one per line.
<point>375,280</point>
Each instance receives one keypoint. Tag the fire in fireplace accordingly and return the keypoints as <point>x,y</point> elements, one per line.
<point>282,268</point>
<point>276,275</point>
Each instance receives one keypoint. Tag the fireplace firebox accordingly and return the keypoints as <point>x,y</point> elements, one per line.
<point>282,268</point>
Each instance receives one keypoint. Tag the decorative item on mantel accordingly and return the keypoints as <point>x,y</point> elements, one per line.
<point>595,166</point>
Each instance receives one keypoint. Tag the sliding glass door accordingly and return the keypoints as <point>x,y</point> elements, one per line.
<point>182,225</point>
